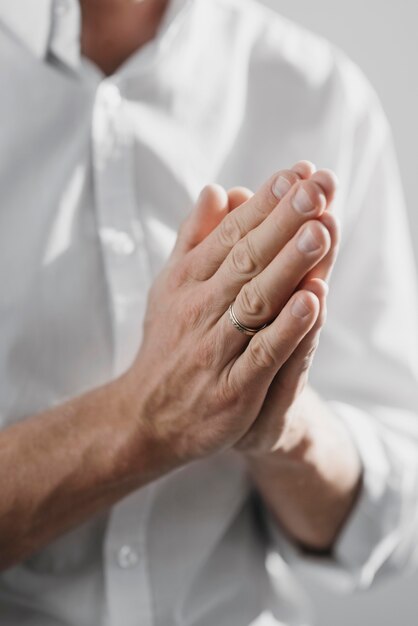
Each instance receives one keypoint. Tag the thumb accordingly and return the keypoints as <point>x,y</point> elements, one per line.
<point>211,207</point>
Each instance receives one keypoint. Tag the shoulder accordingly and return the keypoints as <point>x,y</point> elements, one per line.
<point>303,96</point>
<point>281,53</point>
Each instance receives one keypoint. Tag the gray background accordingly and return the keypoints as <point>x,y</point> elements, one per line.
<point>380,36</point>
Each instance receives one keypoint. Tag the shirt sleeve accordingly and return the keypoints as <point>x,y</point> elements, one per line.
<point>366,367</point>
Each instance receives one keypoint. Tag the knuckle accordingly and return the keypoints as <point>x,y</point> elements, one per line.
<point>243,260</point>
<point>252,302</point>
<point>180,273</point>
<point>230,231</point>
<point>253,253</point>
<point>261,353</point>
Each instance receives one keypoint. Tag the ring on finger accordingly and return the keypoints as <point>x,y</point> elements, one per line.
<point>246,330</point>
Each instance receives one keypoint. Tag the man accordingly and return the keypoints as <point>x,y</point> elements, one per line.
<point>145,472</point>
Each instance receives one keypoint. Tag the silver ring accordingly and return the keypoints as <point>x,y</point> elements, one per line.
<point>246,330</point>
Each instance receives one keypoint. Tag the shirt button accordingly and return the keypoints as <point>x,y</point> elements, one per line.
<point>118,241</point>
<point>127,557</point>
<point>111,95</point>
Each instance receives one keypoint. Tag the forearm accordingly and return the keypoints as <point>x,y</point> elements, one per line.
<point>61,467</point>
<point>312,482</point>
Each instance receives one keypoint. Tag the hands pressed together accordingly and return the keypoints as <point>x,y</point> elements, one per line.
<point>198,385</point>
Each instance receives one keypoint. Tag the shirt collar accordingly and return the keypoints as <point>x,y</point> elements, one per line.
<point>65,31</point>
<point>29,21</point>
<point>54,25</point>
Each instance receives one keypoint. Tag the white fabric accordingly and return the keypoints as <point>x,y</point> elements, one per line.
<point>95,176</point>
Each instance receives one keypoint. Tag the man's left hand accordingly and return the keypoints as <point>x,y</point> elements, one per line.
<point>300,457</point>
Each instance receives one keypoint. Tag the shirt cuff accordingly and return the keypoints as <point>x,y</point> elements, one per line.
<point>372,531</point>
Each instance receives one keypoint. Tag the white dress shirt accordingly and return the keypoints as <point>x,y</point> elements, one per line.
<point>96,174</point>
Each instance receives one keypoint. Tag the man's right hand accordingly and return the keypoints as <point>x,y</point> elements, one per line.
<point>198,384</point>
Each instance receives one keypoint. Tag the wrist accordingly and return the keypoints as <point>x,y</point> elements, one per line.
<point>140,454</point>
<point>311,483</point>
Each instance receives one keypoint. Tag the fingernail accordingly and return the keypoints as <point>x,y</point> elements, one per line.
<point>280,187</point>
<point>307,241</point>
<point>299,308</point>
<point>302,202</point>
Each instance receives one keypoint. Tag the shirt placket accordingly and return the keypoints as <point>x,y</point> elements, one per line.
<point>127,271</point>
<point>127,583</point>
<point>121,233</point>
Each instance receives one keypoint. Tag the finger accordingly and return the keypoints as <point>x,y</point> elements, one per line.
<point>262,299</point>
<point>328,180</point>
<point>211,207</point>
<point>238,195</point>
<point>293,376</point>
<point>269,349</point>
<point>324,268</point>
<point>304,168</point>
<point>208,256</point>
<point>266,431</point>
<point>320,288</point>
<point>306,200</point>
